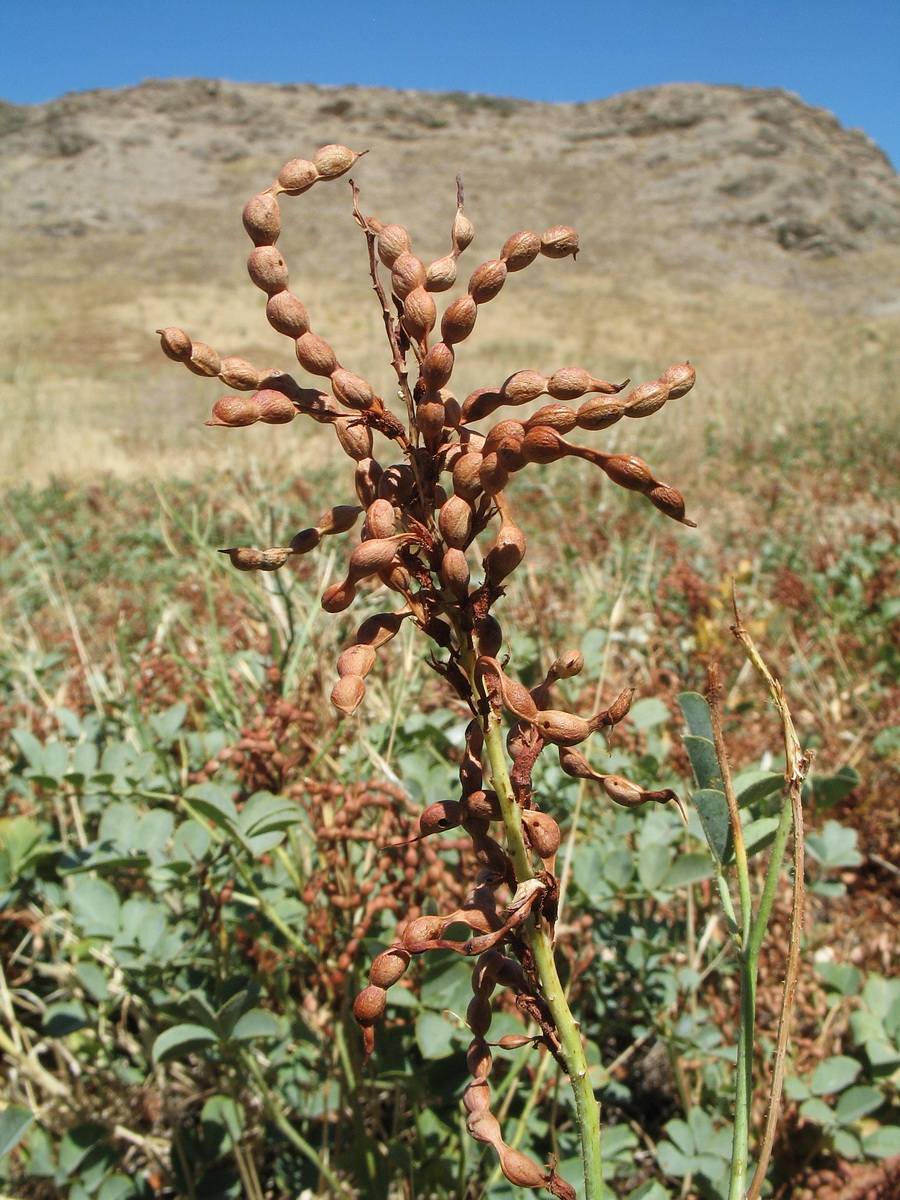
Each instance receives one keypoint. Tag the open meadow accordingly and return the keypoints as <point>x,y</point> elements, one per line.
<point>194,877</point>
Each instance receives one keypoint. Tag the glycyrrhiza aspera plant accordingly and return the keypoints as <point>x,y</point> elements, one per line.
<point>438,530</point>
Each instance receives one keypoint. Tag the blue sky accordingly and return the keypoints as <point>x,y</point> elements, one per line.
<point>844,56</point>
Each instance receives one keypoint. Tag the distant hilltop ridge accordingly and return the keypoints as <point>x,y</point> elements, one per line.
<point>678,160</point>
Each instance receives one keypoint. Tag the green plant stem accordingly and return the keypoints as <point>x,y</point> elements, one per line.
<point>587,1109</point>
<point>296,1139</point>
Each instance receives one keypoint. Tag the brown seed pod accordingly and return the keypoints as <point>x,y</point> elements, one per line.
<point>267,269</point>
<point>393,240</point>
<point>422,929</point>
<point>543,833</point>
<point>355,438</point>
<point>437,366</point>
<point>458,320</point>
<point>478,1018</point>
<point>441,816</point>
<point>480,404</point>
<point>477,1093</point>
<point>407,273</point>
<point>376,555</point>
<point>389,967</point>
<point>338,597</point>
<point>203,360</point>
<point>347,694</point>
<point>504,437</point>
<point>678,380</point>
<point>645,399</point>
<point>381,520</point>
<point>296,176</point>
<point>555,416</point>
<point>519,1169</point>
<point>484,1127</point>
<point>520,250</point>
<point>490,636</point>
<point>235,411</point>
<point>466,483</point>
<point>419,314</point>
<point>441,274</point>
<point>452,409</point>
<point>599,412</point>
<point>288,315</point>
<point>247,559</point>
<point>397,483</point>
<point>493,475</point>
<point>455,572</point>
<point>333,161</point>
<point>568,383</point>
<point>560,242</point>
<point>487,280</point>
<point>175,343</point>
<point>369,1005</point>
<point>380,628</point>
<point>507,552</point>
<point>315,355</point>
<point>569,663</point>
<point>262,219</point>
<point>366,478</point>
<point>274,407</point>
<point>455,522</point>
<point>238,373</point>
<point>562,728</point>
<point>305,541</point>
<point>356,660</point>
<point>483,805</point>
<point>352,390</point>
<point>514,696</point>
<point>670,502</point>
<point>430,423</point>
<point>523,387</point>
<point>628,471</point>
<point>479,1060</point>
<point>461,232</point>
<point>543,445</point>
<point>576,765</point>
<point>339,519</point>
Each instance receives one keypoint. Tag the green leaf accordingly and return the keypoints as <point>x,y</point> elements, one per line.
<point>818,1111</point>
<point>672,1161</point>
<point>754,786</point>
<point>846,1144</point>
<point>834,1074</point>
<point>883,1143</point>
<point>14,1120</point>
<point>93,980</point>
<point>702,754</point>
<point>648,713</point>
<point>795,1088</point>
<point>166,725</point>
<point>696,714</point>
<point>759,835</point>
<point>77,1144</point>
<point>835,846</point>
<point>224,1111</point>
<point>95,906</point>
<point>258,1022</point>
<point>682,1135</point>
<point>858,1102</point>
<point>829,790</point>
<point>265,813</point>
<point>213,802</point>
<point>30,748</point>
<point>181,1040</point>
<point>653,864</point>
<point>65,1017</point>
<point>153,832</point>
<point>841,977</point>
<point>713,809</point>
<point>435,1035</point>
<point>688,868</point>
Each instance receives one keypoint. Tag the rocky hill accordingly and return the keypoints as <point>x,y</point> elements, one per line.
<point>681,157</point>
<point>714,221</point>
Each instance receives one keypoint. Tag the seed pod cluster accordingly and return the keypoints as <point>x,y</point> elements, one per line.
<point>429,518</point>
